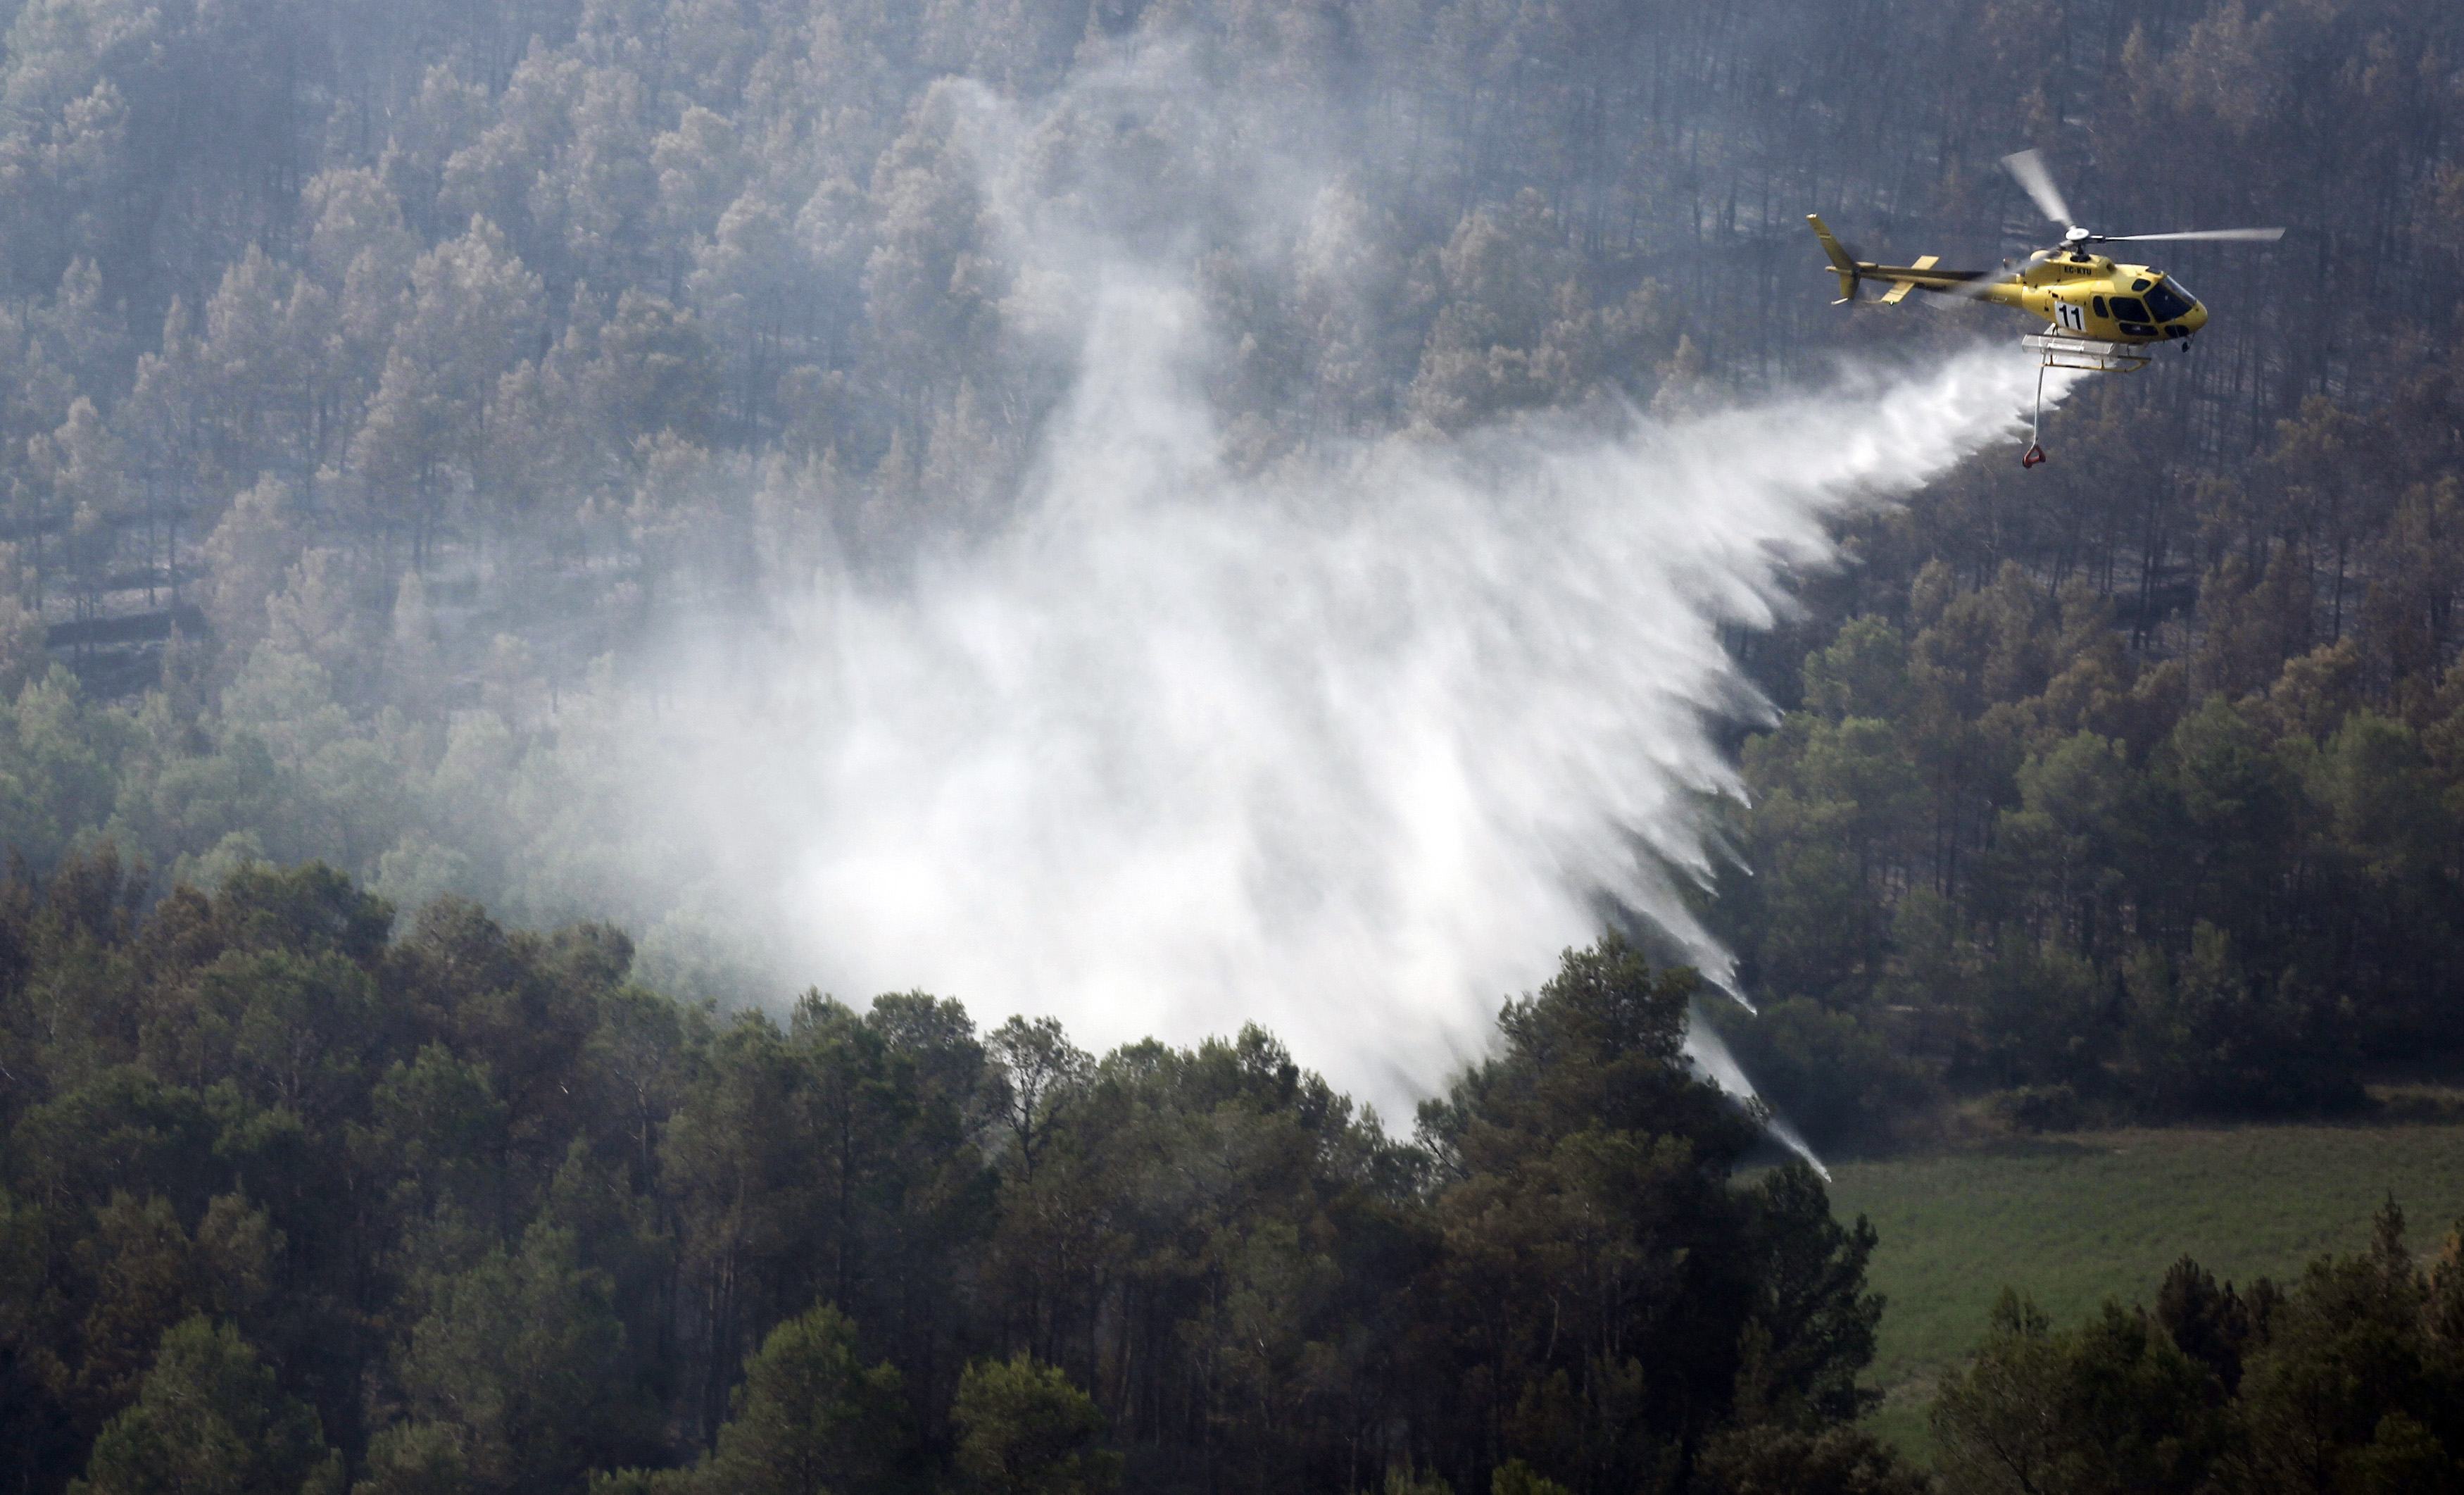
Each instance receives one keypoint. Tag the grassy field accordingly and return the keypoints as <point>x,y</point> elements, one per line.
<point>2073,1221</point>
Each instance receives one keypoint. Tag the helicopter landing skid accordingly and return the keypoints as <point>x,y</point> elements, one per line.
<point>2091,355</point>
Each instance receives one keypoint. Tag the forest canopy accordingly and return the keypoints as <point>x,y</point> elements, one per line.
<point>292,1204</point>
<point>381,384</point>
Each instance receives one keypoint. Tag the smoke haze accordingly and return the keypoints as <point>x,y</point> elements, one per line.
<point>1351,749</point>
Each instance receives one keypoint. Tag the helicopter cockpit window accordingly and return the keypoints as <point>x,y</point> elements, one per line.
<point>2166,302</point>
<point>2130,309</point>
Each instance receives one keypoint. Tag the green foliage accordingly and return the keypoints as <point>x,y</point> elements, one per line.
<point>810,1419</point>
<point>2210,1037</point>
<point>643,1481</point>
<point>1024,1430</point>
<point>2224,910</point>
<point>415,1458</point>
<point>1813,1326</point>
<point>2341,1382</point>
<point>502,1221</point>
<point>209,1417</point>
<point>2111,1405</point>
<point>1614,1287</point>
<point>1514,1476</point>
<point>1767,1459</point>
<point>521,1355</point>
<point>2075,1220</point>
<point>1832,1076</point>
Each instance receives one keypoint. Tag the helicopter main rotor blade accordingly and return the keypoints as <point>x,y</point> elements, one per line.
<point>2028,167</point>
<point>2229,235</point>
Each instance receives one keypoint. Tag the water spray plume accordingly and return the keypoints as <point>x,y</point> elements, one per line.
<point>1351,749</point>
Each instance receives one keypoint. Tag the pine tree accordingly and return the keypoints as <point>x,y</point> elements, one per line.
<point>1024,1430</point>
<point>210,1421</point>
<point>810,1419</point>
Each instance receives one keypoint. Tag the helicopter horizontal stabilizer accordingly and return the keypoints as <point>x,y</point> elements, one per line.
<point>1900,290</point>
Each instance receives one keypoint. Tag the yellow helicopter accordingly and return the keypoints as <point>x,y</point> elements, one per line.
<point>2102,316</point>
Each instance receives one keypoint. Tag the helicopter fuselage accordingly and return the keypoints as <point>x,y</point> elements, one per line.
<point>2088,295</point>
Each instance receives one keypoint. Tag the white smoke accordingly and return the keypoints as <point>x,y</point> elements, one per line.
<point>1350,751</point>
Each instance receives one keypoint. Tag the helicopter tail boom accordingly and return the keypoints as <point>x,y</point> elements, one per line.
<point>1977,284</point>
<point>1921,275</point>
